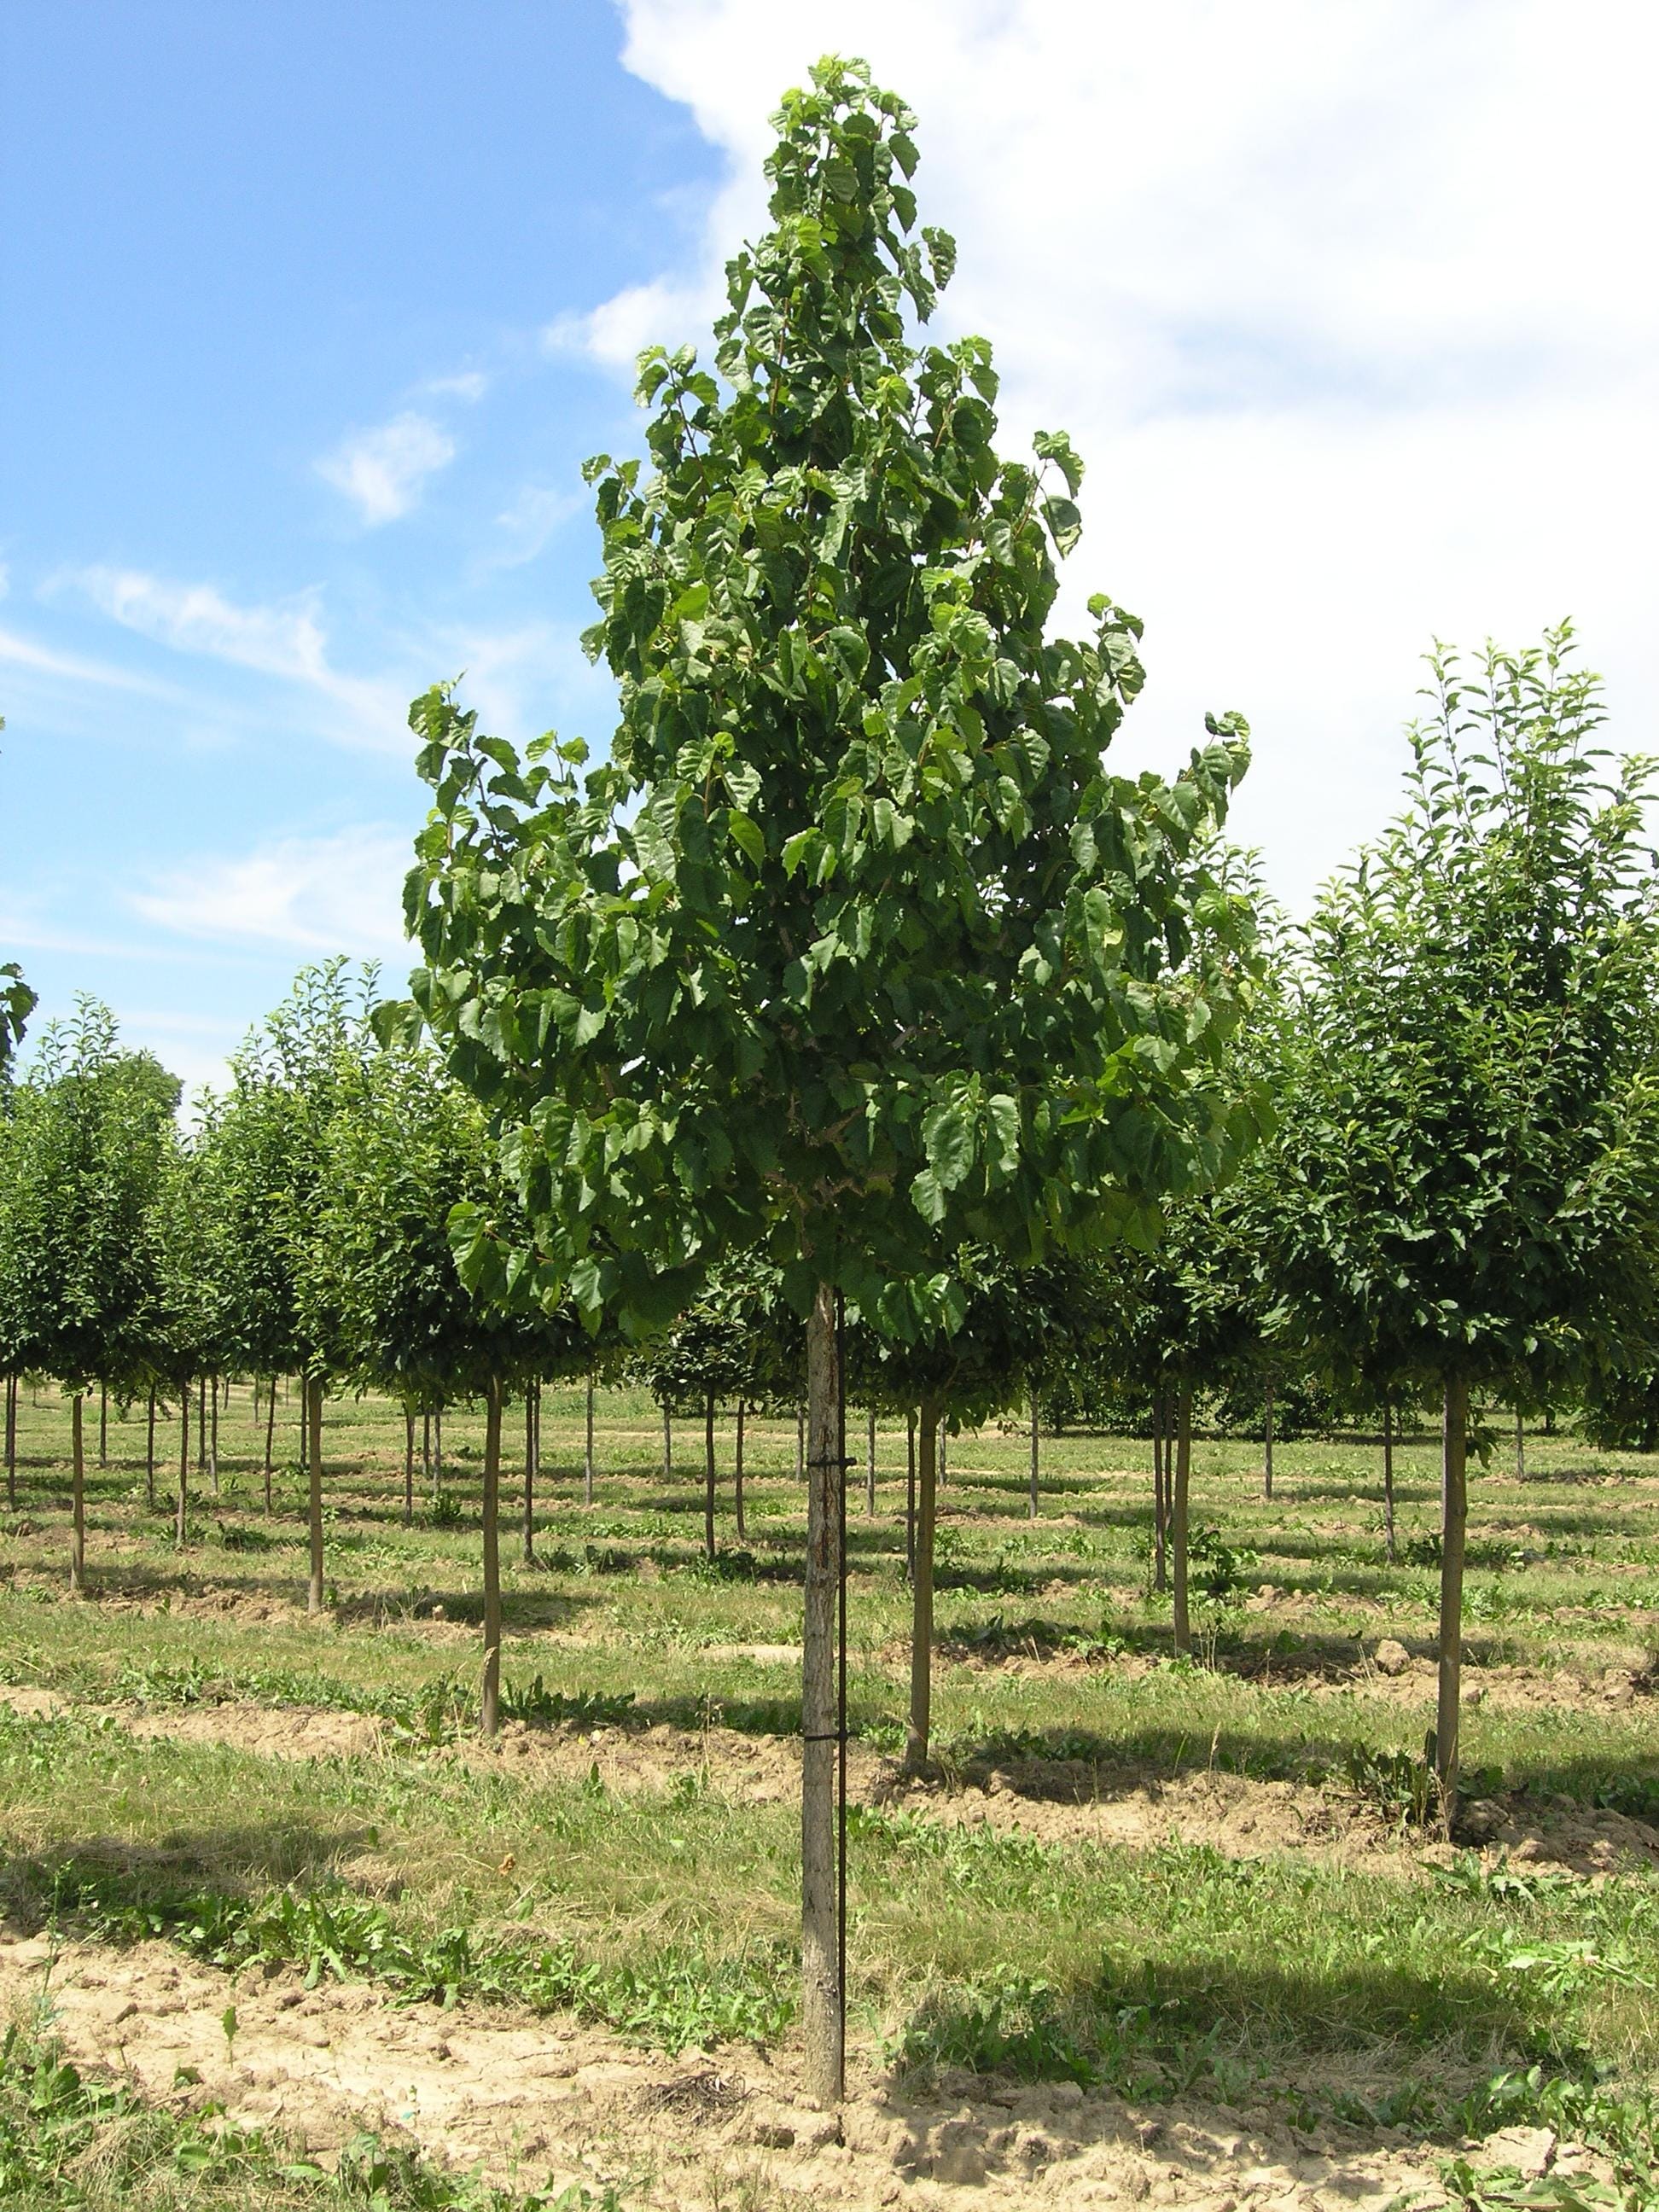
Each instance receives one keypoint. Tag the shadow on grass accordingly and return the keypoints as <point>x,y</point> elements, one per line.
<point>112,1887</point>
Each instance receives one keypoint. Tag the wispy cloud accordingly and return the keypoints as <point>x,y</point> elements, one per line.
<point>285,640</point>
<point>384,471</point>
<point>524,528</point>
<point>339,893</point>
<point>41,661</point>
<point>468,384</point>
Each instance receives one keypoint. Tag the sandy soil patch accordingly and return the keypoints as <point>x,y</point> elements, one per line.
<point>531,2100</point>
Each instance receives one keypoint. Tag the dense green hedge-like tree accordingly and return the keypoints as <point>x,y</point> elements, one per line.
<point>91,1128</point>
<point>1470,1147</point>
<point>853,949</point>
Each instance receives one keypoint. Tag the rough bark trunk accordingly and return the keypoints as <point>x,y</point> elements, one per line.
<point>314,1494</point>
<point>910,1497</point>
<point>708,1476</point>
<point>409,1467</point>
<point>490,1715</point>
<point>1268,1441</point>
<point>587,1464</point>
<point>150,1452</point>
<point>737,1474</point>
<point>1454,1518</point>
<point>1035,1449</point>
<point>1387,1475</point>
<point>78,1542</point>
<point>820,1960</point>
<point>1183,1468</point>
<point>921,1593</point>
<point>180,1518</point>
<point>529,1474</point>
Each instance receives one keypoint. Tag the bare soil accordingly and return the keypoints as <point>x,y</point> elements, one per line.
<point>532,2100</point>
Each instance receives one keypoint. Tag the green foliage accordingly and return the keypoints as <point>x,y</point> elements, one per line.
<point>852,951</point>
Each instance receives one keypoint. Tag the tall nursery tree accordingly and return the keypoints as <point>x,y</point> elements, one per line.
<point>853,950</point>
<point>1469,1156</point>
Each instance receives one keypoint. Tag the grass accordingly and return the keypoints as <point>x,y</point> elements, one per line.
<point>1381,1998</point>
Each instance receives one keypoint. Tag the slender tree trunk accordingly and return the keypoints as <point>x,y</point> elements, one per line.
<point>1183,1468</point>
<point>201,1426</point>
<point>314,1588</point>
<point>529,1474</point>
<point>103,1424</point>
<point>587,1464</point>
<point>489,1717</point>
<point>944,1452</point>
<point>1387,1474</point>
<point>800,1444</point>
<point>409,1467</point>
<point>737,1473</point>
<point>1267,1441</point>
<point>910,1496</point>
<point>181,1521</point>
<point>78,1545</point>
<point>149,1451</point>
<point>667,1442</point>
<point>270,1432</point>
<point>1160,1493</point>
<point>305,1426</point>
<point>870,1465</point>
<point>1453,1519</point>
<point>428,1488</point>
<point>820,1962</point>
<point>1520,1445</point>
<point>921,1593</point>
<point>213,1438</point>
<point>11,1442</point>
<point>437,1449</point>
<point>1036,1453</point>
<point>708,1475</point>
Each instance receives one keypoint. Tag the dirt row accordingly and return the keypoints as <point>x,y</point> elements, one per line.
<point>1057,1801</point>
<point>533,2102</point>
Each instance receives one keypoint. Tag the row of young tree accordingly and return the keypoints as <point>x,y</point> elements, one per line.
<point>853,988</point>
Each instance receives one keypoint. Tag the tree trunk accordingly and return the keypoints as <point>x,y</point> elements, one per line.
<point>149,1451</point>
<point>800,1444</point>
<point>910,1496</point>
<point>103,1424</point>
<point>490,1715</point>
<point>1268,1441</point>
<point>667,1442</point>
<point>1035,1456</point>
<point>314,1589</point>
<point>1160,1494</point>
<point>11,1442</point>
<point>944,1452</point>
<point>201,1426</point>
<point>708,1476</point>
<point>869,1466</point>
<point>1183,1468</point>
<point>737,1474</point>
<point>822,2022</point>
<point>529,1474</point>
<point>181,1521</point>
<point>1387,1474</point>
<point>213,1438</point>
<point>921,1594</point>
<point>428,1489</point>
<point>1454,1518</point>
<point>1519,1446</point>
<point>78,1544</point>
<point>437,1449</point>
<point>270,1432</point>
<point>587,1464</point>
<point>409,1467</point>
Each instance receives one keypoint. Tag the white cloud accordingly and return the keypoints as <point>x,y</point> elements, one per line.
<point>527,526</point>
<point>40,660</point>
<point>285,640</point>
<point>339,893</point>
<point>383,471</point>
<point>468,384</point>
<point>1342,305</point>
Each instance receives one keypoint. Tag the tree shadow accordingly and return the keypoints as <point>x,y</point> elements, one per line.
<point>117,1885</point>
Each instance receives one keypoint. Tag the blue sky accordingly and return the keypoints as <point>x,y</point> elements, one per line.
<point>309,314</point>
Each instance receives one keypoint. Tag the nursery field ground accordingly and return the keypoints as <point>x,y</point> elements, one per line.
<point>1151,1928</point>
